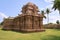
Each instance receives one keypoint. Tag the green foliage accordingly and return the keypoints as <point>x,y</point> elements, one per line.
<point>1,23</point>
<point>57,21</point>
<point>49,34</point>
<point>47,12</point>
<point>56,5</point>
<point>43,13</point>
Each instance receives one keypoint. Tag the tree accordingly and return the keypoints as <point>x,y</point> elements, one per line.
<point>1,23</point>
<point>42,12</point>
<point>57,21</point>
<point>58,26</point>
<point>56,5</point>
<point>47,12</point>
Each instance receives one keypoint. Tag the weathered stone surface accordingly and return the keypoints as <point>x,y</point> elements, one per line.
<point>28,21</point>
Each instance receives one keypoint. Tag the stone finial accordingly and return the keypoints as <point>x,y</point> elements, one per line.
<point>30,8</point>
<point>30,3</point>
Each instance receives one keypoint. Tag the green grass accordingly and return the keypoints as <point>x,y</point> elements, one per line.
<point>49,34</point>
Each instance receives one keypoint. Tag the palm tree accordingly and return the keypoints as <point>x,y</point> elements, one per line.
<point>42,12</point>
<point>56,5</point>
<point>47,12</point>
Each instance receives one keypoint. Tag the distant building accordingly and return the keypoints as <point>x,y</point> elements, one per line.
<point>28,21</point>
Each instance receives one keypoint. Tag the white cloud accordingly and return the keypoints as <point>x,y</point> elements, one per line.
<point>53,17</point>
<point>48,6</point>
<point>48,1</point>
<point>3,15</point>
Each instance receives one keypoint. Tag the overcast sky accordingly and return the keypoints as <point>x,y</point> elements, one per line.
<point>13,8</point>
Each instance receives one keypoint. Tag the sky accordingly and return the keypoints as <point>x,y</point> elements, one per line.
<point>13,8</point>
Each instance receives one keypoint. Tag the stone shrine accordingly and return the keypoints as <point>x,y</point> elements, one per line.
<point>29,21</point>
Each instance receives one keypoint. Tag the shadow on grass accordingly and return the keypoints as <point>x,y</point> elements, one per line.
<point>57,29</point>
<point>51,37</point>
<point>11,30</point>
<point>23,32</point>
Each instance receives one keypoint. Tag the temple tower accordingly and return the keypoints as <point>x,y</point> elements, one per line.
<point>30,19</point>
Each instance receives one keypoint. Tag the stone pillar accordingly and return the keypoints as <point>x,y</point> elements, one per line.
<point>39,23</point>
<point>24,22</point>
<point>28,23</point>
<point>32,22</point>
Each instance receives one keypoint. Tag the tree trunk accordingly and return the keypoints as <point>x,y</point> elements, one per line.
<point>59,12</point>
<point>47,18</point>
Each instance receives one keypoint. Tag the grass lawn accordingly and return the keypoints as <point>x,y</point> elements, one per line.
<point>49,34</point>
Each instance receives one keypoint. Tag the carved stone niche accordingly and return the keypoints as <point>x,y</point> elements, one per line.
<point>29,11</point>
